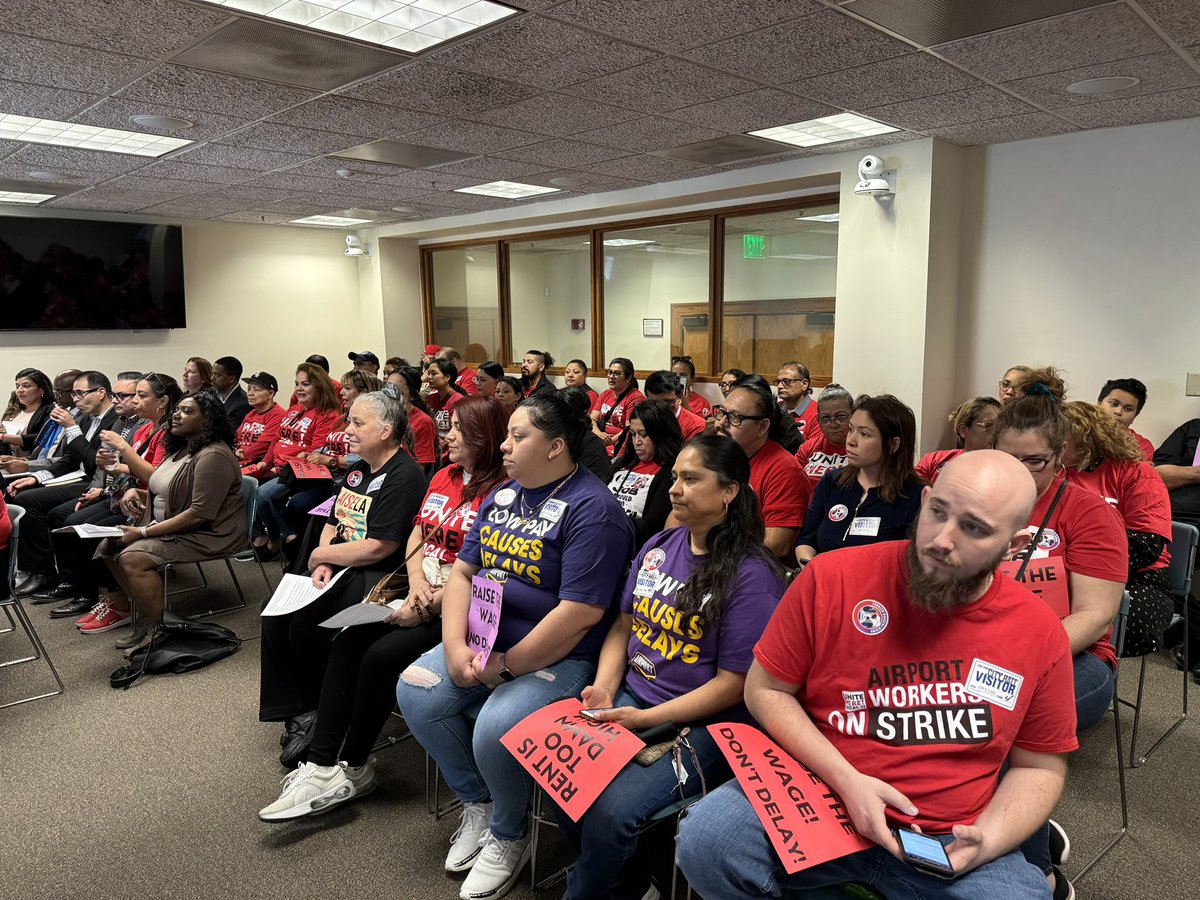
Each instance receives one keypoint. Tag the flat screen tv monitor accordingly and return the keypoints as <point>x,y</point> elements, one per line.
<point>89,275</point>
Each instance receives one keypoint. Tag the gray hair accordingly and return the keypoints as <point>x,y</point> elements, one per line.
<point>388,410</point>
<point>831,393</point>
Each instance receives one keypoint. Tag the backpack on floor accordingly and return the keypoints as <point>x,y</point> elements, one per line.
<point>179,645</point>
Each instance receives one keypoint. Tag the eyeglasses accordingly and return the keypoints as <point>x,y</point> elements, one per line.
<point>124,396</point>
<point>787,382</point>
<point>1006,385</point>
<point>839,418</point>
<point>725,386</point>
<point>80,394</point>
<point>1036,463</point>
<point>616,373</point>
<point>735,418</point>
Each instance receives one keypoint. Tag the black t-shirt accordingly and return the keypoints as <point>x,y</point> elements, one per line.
<point>380,505</point>
<point>1180,450</point>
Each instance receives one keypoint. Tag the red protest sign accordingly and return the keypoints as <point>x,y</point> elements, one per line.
<point>572,758</point>
<point>804,819</point>
<point>304,469</point>
<point>1048,578</point>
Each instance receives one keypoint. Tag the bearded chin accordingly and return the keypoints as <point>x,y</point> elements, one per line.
<point>942,595</point>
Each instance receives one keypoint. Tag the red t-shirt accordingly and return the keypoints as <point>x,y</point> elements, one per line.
<point>257,432</point>
<point>442,408</point>
<point>783,490</point>
<point>930,465</point>
<point>1089,537</point>
<point>337,392</point>
<point>806,422</point>
<point>156,452</point>
<point>337,443</point>
<point>5,525</point>
<point>301,431</point>
<point>444,518</point>
<point>1144,445</point>
<point>467,380</point>
<point>1137,492</point>
<point>690,423</point>
<point>424,436</point>
<point>890,685</point>
<point>699,405</point>
<point>818,455</point>
<point>619,417</point>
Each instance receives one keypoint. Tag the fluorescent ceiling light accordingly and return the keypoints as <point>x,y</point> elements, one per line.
<point>825,217</point>
<point>334,221</point>
<point>408,25</point>
<point>510,190</point>
<point>826,130</point>
<point>86,137</point>
<point>21,197</point>
<point>621,242</point>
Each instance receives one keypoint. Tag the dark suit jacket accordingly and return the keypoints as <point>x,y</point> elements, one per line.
<point>36,424</point>
<point>81,451</point>
<point>237,405</point>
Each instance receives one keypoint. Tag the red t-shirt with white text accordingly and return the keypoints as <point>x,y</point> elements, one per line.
<point>257,432</point>
<point>1137,492</point>
<point>444,518</point>
<point>806,422</point>
<point>783,490</point>
<point>467,380</point>
<point>442,409</point>
<point>620,410</point>
<point>818,455</point>
<point>301,431</point>
<point>699,405</point>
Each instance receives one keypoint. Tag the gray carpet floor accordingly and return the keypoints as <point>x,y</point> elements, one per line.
<point>153,792</point>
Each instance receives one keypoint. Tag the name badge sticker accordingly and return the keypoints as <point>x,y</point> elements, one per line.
<point>434,504</point>
<point>553,510</point>
<point>647,581</point>
<point>988,681</point>
<point>865,526</point>
<point>376,484</point>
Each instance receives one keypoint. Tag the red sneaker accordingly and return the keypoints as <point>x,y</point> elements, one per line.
<point>91,614</point>
<point>107,619</point>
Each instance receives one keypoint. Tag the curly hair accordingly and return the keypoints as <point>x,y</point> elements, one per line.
<point>1047,376</point>
<point>1096,436</point>
<point>216,428</point>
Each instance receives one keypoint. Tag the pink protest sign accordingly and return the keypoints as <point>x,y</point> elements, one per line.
<point>324,509</point>
<point>804,819</point>
<point>483,620</point>
<point>572,758</point>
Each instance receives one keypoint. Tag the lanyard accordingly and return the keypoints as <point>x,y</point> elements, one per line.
<point>1028,554</point>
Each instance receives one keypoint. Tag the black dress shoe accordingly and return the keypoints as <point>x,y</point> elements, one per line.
<point>34,584</point>
<point>76,606</point>
<point>299,736</point>
<point>65,590</point>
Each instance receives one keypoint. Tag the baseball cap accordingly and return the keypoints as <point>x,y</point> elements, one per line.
<point>433,349</point>
<point>262,379</point>
<point>365,356</point>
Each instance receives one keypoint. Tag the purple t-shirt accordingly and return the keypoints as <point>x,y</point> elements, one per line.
<point>669,658</point>
<point>574,545</point>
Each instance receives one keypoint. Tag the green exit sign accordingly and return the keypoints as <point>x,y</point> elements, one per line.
<point>754,246</point>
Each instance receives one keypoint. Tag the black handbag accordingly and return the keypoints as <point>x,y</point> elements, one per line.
<point>178,645</point>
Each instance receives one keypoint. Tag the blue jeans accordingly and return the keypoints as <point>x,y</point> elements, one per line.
<point>1094,685</point>
<point>471,758</point>
<point>607,834</point>
<point>272,497</point>
<point>724,852</point>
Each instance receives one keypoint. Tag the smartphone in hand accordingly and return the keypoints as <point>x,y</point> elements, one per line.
<point>924,852</point>
<point>590,714</point>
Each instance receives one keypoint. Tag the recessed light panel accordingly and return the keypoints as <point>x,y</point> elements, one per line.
<point>824,217</point>
<point>510,190</point>
<point>826,130</point>
<point>27,199</point>
<point>86,137</point>
<point>407,25</point>
<point>332,221</point>
<point>1107,85</point>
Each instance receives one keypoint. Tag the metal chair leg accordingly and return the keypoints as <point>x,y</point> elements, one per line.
<point>1124,830</point>
<point>39,650</point>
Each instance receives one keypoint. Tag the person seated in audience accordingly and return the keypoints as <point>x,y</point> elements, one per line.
<point>722,587</point>
<point>47,444</point>
<point>365,534</point>
<point>1008,382</point>
<point>79,442</point>
<point>751,417</point>
<point>304,429</point>
<point>535,373</point>
<point>575,374</point>
<point>980,789</point>
<point>1177,462</point>
<point>794,384</point>
<point>972,422</point>
<point>610,410</point>
<point>365,361</point>
<point>877,495</point>
<point>1124,399</point>
<point>826,449</point>
<point>669,388</point>
<point>197,376</point>
<point>594,454</point>
<point>406,383</point>
<point>320,361</point>
<point>1102,457</point>
<point>641,472</point>
<point>557,610</point>
<point>467,376</point>
<point>260,428</point>
<point>392,364</point>
<point>358,685</point>
<point>27,412</point>
<point>226,378</point>
<point>487,376</point>
<point>509,392</point>
<point>431,350</point>
<point>685,368</point>
<point>192,510</point>
<point>728,379</point>
<point>444,393</point>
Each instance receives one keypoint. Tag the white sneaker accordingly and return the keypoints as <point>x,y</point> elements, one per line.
<point>309,789</point>
<point>497,867</point>
<point>464,845</point>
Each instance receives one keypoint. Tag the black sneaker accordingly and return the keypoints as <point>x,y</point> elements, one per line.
<point>1060,844</point>
<point>1063,889</point>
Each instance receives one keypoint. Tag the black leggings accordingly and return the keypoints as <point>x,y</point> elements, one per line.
<point>359,691</point>
<point>1150,609</point>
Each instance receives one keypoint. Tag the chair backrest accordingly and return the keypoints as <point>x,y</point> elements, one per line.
<point>14,516</point>
<point>1184,538</point>
<point>250,499</point>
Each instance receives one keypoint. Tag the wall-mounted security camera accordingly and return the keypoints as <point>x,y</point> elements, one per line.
<point>356,247</point>
<point>873,180</point>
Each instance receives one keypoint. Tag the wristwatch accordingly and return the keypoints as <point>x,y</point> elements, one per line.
<point>505,672</point>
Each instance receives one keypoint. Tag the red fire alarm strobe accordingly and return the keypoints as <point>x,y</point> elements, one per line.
<point>577,324</point>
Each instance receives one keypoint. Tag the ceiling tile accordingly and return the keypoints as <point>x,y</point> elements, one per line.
<point>43,102</point>
<point>649,133</point>
<point>266,136</point>
<point>327,167</point>
<point>146,28</point>
<point>81,162</point>
<point>926,24</point>
<point>1156,72</point>
<point>556,114</point>
<point>650,168</point>
<point>269,217</point>
<point>595,183</point>
<point>999,131</point>
<point>437,89</point>
<point>341,114</point>
<point>110,200</point>
<point>823,42</point>
<point>1178,18</point>
<point>1132,110</point>
<point>540,51</point>
<point>223,94</point>
<point>887,81</point>
<point>180,168</point>
<point>470,137</point>
<point>679,24</point>
<point>1051,45</point>
<point>753,111</point>
<point>35,61</point>
<point>562,154</point>
<point>768,160</point>
<point>419,181</point>
<point>195,207</point>
<point>248,194</point>
<point>169,187</point>
<point>484,169</point>
<point>241,157</point>
<point>662,85</point>
<point>461,202</point>
<point>114,113</point>
<point>971,105</point>
<point>867,143</point>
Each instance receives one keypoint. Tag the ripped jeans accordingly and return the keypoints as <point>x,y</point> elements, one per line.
<point>473,762</point>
